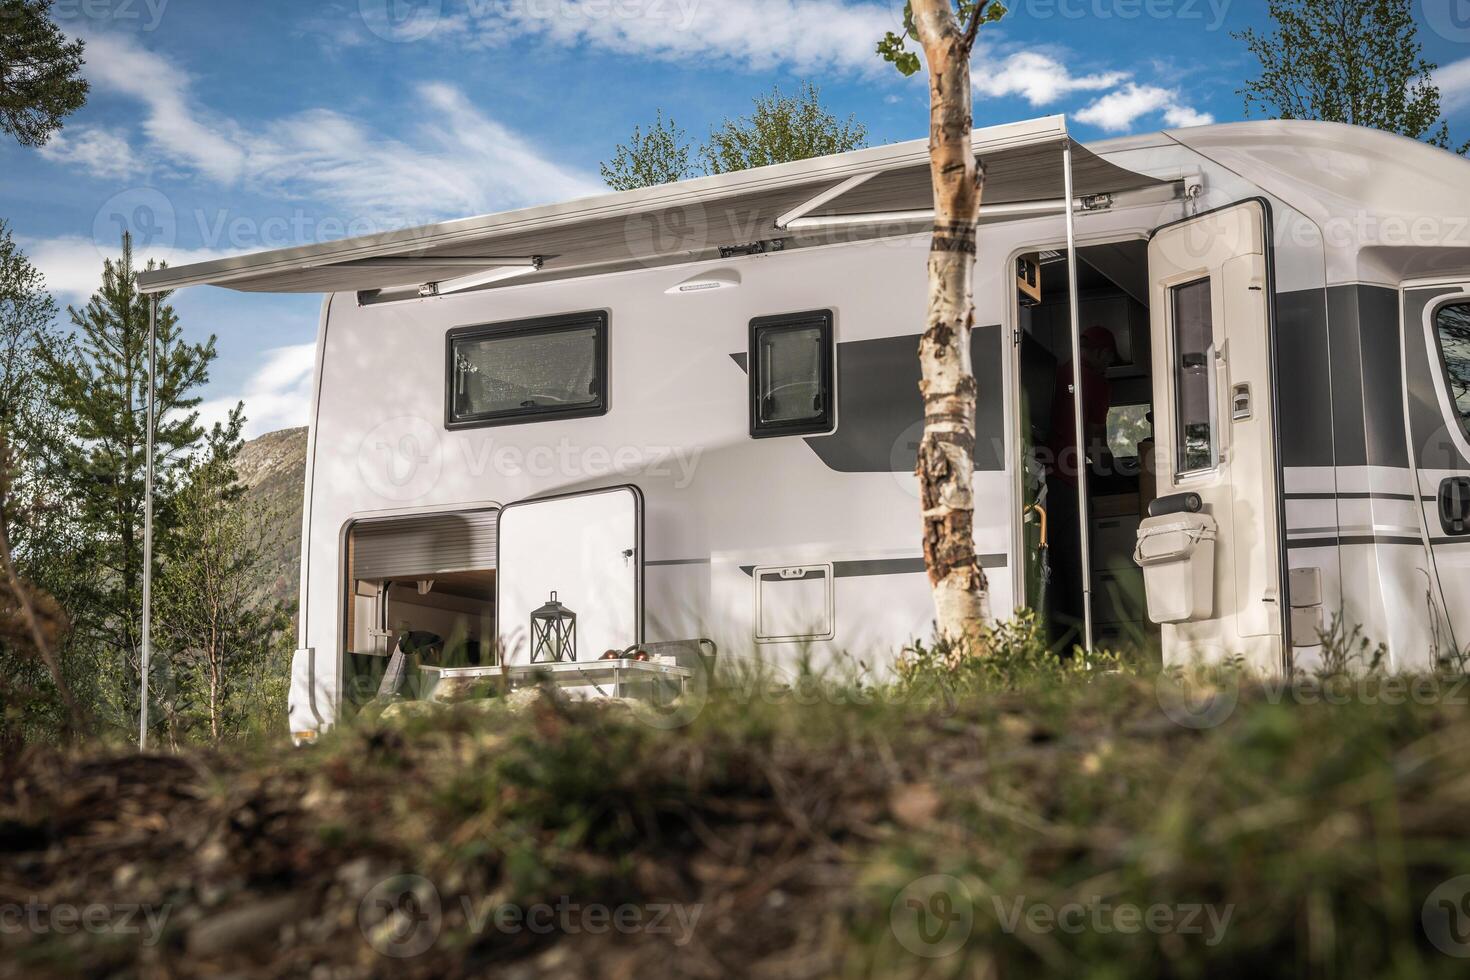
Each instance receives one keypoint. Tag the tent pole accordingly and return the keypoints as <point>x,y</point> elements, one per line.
<point>148,524</point>
<point>1077,414</point>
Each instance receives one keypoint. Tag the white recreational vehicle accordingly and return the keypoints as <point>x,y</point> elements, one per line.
<point>691,411</point>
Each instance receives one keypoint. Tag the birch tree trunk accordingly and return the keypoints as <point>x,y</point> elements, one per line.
<point>946,455</point>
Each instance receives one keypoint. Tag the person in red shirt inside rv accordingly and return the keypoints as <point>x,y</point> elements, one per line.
<point>1099,352</point>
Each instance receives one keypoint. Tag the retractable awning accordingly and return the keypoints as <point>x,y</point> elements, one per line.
<point>869,193</point>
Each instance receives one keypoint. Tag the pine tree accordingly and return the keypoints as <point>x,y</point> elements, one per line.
<point>1350,61</point>
<point>102,390</point>
<point>43,683</point>
<point>215,620</point>
<point>40,72</point>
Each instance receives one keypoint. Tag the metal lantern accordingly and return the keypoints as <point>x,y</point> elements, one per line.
<point>553,633</point>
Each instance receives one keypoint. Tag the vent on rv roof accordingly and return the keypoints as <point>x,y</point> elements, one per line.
<point>422,547</point>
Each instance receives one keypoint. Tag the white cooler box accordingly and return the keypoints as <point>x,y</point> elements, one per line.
<point>1177,555</point>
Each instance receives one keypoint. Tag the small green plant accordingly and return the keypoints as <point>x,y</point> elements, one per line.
<point>1348,650</point>
<point>1016,655</point>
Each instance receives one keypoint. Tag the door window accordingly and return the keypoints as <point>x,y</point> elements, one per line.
<point>1452,324</point>
<point>1194,377</point>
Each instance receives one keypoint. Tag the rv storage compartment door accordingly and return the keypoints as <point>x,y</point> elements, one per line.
<point>1177,555</point>
<point>584,547</point>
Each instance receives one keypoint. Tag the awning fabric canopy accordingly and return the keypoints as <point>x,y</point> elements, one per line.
<point>672,223</point>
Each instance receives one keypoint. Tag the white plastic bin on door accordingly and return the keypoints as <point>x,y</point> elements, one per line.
<point>1177,555</point>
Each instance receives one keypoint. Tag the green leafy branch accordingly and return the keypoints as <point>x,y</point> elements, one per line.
<point>973,13</point>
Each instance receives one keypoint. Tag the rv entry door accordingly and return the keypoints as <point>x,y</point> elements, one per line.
<point>586,548</point>
<point>1213,427</point>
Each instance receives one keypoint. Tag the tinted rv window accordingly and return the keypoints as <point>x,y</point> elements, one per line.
<point>791,374</point>
<point>1453,323</point>
<point>1194,377</point>
<point>528,371</point>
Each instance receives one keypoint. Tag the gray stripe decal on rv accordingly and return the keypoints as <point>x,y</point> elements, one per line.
<point>1305,403</point>
<point>1334,542</point>
<point>1345,408</point>
<point>880,413</point>
<point>891,566</point>
<point>1356,496</point>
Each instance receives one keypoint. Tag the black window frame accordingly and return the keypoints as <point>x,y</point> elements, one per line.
<point>1444,363</point>
<point>560,323</point>
<point>820,425</point>
<point>1180,448</point>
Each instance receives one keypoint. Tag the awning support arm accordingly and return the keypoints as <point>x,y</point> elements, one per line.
<point>147,656</point>
<point>1162,194</point>
<point>441,261</point>
<point>831,193</point>
<point>1077,413</point>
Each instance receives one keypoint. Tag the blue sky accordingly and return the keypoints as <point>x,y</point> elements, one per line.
<point>217,127</point>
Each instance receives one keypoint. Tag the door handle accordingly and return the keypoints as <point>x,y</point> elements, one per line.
<point>1454,505</point>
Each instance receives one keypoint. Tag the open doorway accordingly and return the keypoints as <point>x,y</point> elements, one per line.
<point>1116,458</point>
<point>423,584</point>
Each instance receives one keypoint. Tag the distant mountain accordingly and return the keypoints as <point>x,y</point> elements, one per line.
<point>273,470</point>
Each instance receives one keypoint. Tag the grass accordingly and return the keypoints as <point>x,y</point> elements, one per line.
<point>1025,817</point>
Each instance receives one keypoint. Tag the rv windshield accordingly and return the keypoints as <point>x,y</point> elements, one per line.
<point>1453,326</point>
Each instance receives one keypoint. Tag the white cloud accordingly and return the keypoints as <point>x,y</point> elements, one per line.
<point>804,35</point>
<point>116,63</point>
<point>72,264</point>
<point>101,152</point>
<point>1038,78</point>
<point>1117,111</point>
<point>458,162</point>
<point>799,35</point>
<point>276,396</point>
<point>1454,84</point>
<point>1183,116</point>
